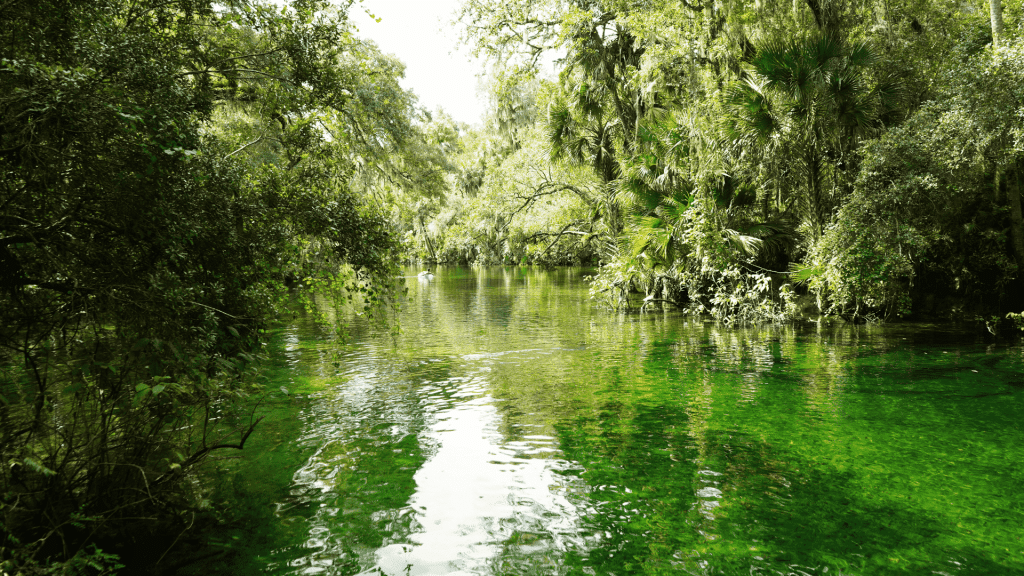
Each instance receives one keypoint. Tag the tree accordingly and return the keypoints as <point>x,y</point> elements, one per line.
<point>597,114</point>
<point>741,126</point>
<point>812,101</point>
<point>928,217</point>
<point>984,102</point>
<point>168,169</point>
<point>996,11</point>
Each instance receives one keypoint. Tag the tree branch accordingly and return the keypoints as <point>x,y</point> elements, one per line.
<point>267,53</point>
<point>560,234</point>
<point>253,143</point>
<point>202,453</point>
<point>564,232</point>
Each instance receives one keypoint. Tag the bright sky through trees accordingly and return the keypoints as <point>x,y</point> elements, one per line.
<point>420,34</point>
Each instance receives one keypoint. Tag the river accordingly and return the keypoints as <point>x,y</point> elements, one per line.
<point>515,427</point>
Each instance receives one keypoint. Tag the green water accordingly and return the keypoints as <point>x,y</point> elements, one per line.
<point>514,428</point>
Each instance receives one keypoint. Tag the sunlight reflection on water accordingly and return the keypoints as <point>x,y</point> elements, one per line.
<point>514,429</point>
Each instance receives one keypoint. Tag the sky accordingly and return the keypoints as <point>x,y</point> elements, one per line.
<point>420,34</point>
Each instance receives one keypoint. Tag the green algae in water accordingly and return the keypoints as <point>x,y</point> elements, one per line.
<point>514,429</point>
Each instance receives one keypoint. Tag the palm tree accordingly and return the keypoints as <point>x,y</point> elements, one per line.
<point>599,112</point>
<point>806,104</point>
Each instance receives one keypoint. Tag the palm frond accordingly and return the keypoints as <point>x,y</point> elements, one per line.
<point>821,51</point>
<point>862,55</point>
<point>775,61</point>
<point>559,120</point>
<point>636,194</point>
<point>778,236</point>
<point>803,273</point>
<point>650,236</point>
<point>742,243</point>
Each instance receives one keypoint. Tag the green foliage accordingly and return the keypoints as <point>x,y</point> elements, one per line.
<point>810,101</point>
<point>867,265</point>
<point>923,207</point>
<point>170,171</point>
<point>91,562</point>
<point>688,256</point>
<point>1017,318</point>
<point>506,202</point>
<point>769,109</point>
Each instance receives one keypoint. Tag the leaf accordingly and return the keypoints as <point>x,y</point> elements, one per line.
<point>799,274</point>
<point>36,466</point>
<point>141,391</point>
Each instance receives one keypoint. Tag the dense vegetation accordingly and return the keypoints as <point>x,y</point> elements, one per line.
<point>175,172</point>
<point>726,156</point>
<point>169,171</point>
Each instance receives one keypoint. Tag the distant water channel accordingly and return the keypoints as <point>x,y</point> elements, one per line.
<point>514,427</point>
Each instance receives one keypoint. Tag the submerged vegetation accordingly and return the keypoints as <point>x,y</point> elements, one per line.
<point>175,173</point>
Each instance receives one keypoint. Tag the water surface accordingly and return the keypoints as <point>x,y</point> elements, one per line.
<point>515,428</point>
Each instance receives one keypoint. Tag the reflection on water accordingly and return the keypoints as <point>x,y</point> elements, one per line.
<point>512,428</point>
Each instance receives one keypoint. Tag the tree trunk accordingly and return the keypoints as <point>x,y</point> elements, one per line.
<point>1016,224</point>
<point>996,10</point>
<point>814,195</point>
<point>997,186</point>
<point>426,237</point>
